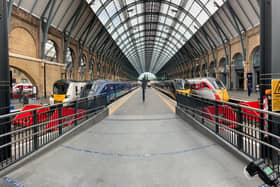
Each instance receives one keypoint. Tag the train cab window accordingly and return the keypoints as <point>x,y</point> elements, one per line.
<point>186,86</point>
<point>104,90</point>
<point>204,85</point>
<point>217,84</point>
<point>60,88</point>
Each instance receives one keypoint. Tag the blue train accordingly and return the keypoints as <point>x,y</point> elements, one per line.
<point>112,89</point>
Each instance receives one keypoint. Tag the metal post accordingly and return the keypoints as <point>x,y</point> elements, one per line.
<point>5,126</point>
<point>60,119</point>
<point>239,128</point>
<point>216,117</point>
<point>75,111</point>
<point>35,131</point>
<point>265,60</point>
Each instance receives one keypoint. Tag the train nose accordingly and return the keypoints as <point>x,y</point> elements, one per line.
<point>223,94</point>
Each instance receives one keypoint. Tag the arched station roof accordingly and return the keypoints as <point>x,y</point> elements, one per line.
<point>233,19</point>
<point>76,19</point>
<point>148,35</point>
<point>168,24</point>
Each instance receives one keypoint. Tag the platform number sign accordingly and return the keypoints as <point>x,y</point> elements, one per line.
<point>276,95</point>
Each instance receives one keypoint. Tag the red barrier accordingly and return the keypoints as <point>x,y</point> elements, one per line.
<point>26,119</point>
<point>251,114</point>
<point>224,112</point>
<point>66,112</point>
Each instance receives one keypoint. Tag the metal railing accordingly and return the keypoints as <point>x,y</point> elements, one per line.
<point>22,133</point>
<point>252,131</point>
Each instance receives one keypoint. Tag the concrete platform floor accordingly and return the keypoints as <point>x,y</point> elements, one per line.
<point>139,145</point>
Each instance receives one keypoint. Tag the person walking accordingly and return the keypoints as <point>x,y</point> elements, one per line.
<point>144,86</point>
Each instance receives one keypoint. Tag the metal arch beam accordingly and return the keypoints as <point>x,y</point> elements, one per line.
<point>142,52</point>
<point>10,9</point>
<point>67,10</point>
<point>143,47</point>
<point>174,51</point>
<point>96,39</point>
<point>187,56</point>
<point>238,22</point>
<point>33,6</point>
<point>72,20</point>
<point>128,44</point>
<point>173,24</point>
<point>135,3</point>
<point>170,50</point>
<point>151,13</point>
<point>109,1</point>
<point>158,52</point>
<point>153,30</point>
<point>150,23</point>
<point>95,31</point>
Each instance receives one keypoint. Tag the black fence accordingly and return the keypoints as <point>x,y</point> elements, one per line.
<point>253,131</point>
<point>38,126</point>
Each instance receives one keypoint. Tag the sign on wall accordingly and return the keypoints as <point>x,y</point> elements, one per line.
<point>275,94</point>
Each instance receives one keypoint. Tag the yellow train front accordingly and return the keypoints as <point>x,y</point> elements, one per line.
<point>173,87</point>
<point>208,88</point>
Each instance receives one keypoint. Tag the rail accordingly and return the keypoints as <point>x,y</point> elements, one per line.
<point>252,131</point>
<point>22,133</point>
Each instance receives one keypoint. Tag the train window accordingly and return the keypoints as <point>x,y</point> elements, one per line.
<point>60,88</point>
<point>204,85</point>
<point>186,86</point>
<point>217,84</point>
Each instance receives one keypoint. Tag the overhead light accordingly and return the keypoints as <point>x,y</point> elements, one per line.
<point>129,10</point>
<point>174,10</point>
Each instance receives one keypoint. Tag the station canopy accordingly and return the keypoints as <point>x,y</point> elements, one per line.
<point>151,32</point>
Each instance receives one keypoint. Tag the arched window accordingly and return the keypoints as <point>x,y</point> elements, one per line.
<point>83,61</point>
<point>193,73</point>
<point>256,68</point>
<point>198,71</point>
<point>238,61</point>
<point>212,71</point>
<point>204,70</point>
<point>51,52</point>
<point>256,57</point>
<point>238,73</point>
<point>222,70</point>
<point>69,56</point>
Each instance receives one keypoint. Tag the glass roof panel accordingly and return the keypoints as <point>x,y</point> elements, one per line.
<point>161,25</point>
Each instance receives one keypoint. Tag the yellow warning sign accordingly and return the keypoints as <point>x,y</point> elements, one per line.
<point>276,95</point>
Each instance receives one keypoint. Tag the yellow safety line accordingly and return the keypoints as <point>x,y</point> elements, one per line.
<point>122,101</point>
<point>170,106</point>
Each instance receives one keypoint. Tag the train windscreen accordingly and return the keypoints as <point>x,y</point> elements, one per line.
<point>96,86</point>
<point>179,85</point>
<point>60,88</point>
<point>217,84</point>
<point>85,90</point>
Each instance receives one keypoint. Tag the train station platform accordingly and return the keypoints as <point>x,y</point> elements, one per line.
<point>243,95</point>
<point>138,144</point>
